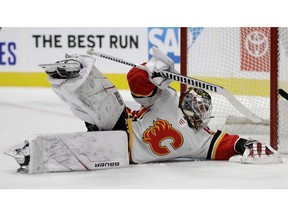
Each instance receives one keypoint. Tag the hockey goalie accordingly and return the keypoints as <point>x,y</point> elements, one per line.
<point>165,128</point>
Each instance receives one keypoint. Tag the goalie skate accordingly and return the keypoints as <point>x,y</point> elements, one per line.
<point>22,157</point>
<point>257,153</point>
<point>63,70</point>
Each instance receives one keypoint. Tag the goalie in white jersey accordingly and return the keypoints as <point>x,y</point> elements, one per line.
<point>165,128</point>
<point>169,127</point>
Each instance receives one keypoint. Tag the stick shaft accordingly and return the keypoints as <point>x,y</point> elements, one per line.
<point>115,59</point>
<point>191,82</point>
<point>174,76</point>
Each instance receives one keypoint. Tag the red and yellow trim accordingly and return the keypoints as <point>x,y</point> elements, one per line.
<point>130,132</point>
<point>222,146</point>
<point>216,145</point>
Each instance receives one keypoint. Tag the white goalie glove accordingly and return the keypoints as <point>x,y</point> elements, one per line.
<point>257,152</point>
<point>156,65</point>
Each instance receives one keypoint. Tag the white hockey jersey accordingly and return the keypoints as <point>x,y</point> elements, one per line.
<point>160,131</point>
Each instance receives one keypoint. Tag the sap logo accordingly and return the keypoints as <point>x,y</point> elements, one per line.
<point>167,40</point>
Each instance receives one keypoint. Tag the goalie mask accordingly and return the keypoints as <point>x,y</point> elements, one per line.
<point>196,106</point>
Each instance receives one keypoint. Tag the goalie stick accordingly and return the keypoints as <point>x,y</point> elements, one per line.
<point>283,93</point>
<point>191,82</point>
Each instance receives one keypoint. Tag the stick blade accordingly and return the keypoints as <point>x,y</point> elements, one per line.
<point>283,93</point>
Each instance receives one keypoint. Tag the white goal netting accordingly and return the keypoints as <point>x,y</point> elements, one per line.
<point>239,60</point>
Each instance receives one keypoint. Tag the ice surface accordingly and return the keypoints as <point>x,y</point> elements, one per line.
<point>27,111</point>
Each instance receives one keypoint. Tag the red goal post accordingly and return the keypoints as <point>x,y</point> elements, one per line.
<point>252,64</point>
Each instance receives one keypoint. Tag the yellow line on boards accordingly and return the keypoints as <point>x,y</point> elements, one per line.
<point>24,79</point>
<point>237,86</point>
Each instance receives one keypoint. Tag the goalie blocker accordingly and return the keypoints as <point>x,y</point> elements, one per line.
<point>78,151</point>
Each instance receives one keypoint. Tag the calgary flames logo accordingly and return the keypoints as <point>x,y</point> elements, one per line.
<point>160,131</point>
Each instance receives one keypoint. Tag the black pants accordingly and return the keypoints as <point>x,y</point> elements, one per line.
<point>120,124</point>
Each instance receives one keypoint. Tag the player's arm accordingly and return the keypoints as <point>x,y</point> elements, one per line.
<point>140,84</point>
<point>147,85</point>
<point>236,149</point>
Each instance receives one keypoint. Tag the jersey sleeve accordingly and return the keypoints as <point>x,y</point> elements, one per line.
<point>139,83</point>
<point>223,146</point>
<point>143,91</point>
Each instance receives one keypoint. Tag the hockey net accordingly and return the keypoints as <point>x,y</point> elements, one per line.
<point>241,60</point>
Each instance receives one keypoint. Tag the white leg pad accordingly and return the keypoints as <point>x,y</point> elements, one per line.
<point>82,151</point>
<point>91,96</point>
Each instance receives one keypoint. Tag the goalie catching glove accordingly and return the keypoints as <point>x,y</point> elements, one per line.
<point>256,152</point>
<point>156,65</point>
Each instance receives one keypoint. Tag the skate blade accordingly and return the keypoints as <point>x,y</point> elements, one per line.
<point>10,155</point>
<point>22,170</point>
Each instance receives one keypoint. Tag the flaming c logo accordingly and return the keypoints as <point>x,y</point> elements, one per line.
<point>160,131</point>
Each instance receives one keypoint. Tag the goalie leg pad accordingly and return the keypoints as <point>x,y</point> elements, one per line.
<point>91,96</point>
<point>82,151</point>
